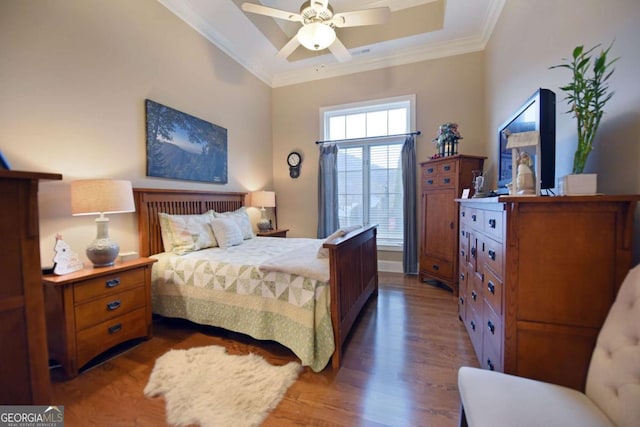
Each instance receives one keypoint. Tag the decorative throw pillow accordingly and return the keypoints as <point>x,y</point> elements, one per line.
<point>324,252</point>
<point>182,234</point>
<point>241,218</point>
<point>226,231</point>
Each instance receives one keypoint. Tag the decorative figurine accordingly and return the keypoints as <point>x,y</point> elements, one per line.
<point>65,260</point>
<point>526,177</point>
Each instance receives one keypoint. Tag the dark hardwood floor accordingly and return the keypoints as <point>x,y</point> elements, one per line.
<point>399,369</point>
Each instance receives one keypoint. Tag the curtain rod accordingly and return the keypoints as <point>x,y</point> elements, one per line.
<point>371,137</point>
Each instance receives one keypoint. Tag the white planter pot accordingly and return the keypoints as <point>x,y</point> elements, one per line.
<point>579,184</point>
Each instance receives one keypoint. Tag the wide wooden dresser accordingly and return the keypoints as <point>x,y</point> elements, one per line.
<point>537,277</point>
<point>24,368</point>
<point>442,181</point>
<point>94,309</point>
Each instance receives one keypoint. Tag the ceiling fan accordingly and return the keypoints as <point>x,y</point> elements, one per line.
<point>319,24</point>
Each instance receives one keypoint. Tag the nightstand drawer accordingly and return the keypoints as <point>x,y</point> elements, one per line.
<point>95,340</point>
<point>108,285</point>
<point>108,307</point>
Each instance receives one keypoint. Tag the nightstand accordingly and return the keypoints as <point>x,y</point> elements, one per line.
<point>94,309</point>
<point>278,232</point>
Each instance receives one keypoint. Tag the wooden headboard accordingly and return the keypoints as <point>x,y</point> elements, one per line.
<point>150,202</point>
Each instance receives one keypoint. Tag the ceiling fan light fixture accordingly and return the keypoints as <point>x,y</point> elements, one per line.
<point>316,36</point>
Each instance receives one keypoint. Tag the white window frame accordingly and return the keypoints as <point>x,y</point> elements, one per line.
<point>368,106</point>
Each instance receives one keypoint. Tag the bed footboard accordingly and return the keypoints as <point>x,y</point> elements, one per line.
<point>354,279</point>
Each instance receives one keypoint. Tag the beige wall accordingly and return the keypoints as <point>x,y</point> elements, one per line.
<point>449,89</point>
<point>75,74</point>
<point>532,36</point>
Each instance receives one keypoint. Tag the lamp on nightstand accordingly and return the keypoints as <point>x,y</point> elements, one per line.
<point>263,199</point>
<point>99,197</point>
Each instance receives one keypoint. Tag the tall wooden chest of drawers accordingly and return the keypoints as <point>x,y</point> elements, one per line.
<point>442,181</point>
<point>94,309</point>
<point>24,369</point>
<point>537,278</point>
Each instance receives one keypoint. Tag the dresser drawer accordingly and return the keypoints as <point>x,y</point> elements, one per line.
<point>474,292</point>
<point>108,285</point>
<point>493,225</point>
<point>440,181</point>
<point>95,340</point>
<point>493,291</point>
<point>492,256</point>
<point>462,292</point>
<point>492,325</point>
<point>464,244</point>
<point>476,218</point>
<point>492,339</point>
<point>109,307</point>
<point>437,267</point>
<point>445,168</point>
<point>492,359</point>
<point>473,325</point>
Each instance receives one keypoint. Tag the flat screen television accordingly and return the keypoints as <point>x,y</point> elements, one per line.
<point>538,113</point>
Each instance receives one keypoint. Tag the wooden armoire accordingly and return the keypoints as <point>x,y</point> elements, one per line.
<point>24,362</point>
<point>442,181</point>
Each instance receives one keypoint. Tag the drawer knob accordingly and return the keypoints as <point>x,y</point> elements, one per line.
<point>430,181</point>
<point>115,328</point>
<point>461,276</point>
<point>492,223</point>
<point>114,305</point>
<point>473,252</point>
<point>474,217</point>
<point>473,325</point>
<point>474,295</point>
<point>447,168</point>
<point>112,283</point>
<point>461,301</point>
<point>490,364</point>
<point>492,254</point>
<point>491,327</point>
<point>436,267</point>
<point>447,180</point>
<point>430,170</point>
<point>464,214</point>
<point>491,287</point>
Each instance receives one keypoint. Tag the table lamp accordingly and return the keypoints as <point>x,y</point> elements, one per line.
<point>263,199</point>
<point>99,197</point>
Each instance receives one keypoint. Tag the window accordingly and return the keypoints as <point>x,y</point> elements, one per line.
<point>369,163</point>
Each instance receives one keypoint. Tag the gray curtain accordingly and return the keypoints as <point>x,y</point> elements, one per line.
<point>409,186</point>
<point>328,190</point>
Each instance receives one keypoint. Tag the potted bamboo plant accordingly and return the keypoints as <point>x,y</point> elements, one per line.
<point>587,93</point>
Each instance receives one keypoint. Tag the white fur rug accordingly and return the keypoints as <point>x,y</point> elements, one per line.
<point>208,387</point>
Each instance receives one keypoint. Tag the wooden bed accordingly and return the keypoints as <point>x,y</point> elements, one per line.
<point>352,258</point>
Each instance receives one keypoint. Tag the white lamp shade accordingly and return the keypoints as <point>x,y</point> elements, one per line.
<point>263,199</point>
<point>316,36</point>
<point>101,196</point>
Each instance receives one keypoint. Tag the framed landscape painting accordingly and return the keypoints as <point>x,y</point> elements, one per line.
<point>181,146</point>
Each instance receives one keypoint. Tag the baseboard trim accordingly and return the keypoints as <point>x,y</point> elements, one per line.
<point>390,266</point>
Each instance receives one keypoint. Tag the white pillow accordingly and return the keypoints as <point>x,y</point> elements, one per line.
<point>226,231</point>
<point>241,218</point>
<point>182,234</point>
<point>324,252</point>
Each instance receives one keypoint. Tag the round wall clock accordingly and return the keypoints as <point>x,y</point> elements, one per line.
<point>294,160</point>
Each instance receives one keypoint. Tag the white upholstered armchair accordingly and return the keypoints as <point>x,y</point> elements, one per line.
<point>612,396</point>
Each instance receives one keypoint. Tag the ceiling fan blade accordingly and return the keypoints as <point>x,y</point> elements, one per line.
<point>340,51</point>
<point>377,15</point>
<point>269,11</point>
<point>288,48</point>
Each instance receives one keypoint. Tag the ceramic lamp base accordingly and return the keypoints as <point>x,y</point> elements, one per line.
<point>264,224</point>
<point>103,251</point>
